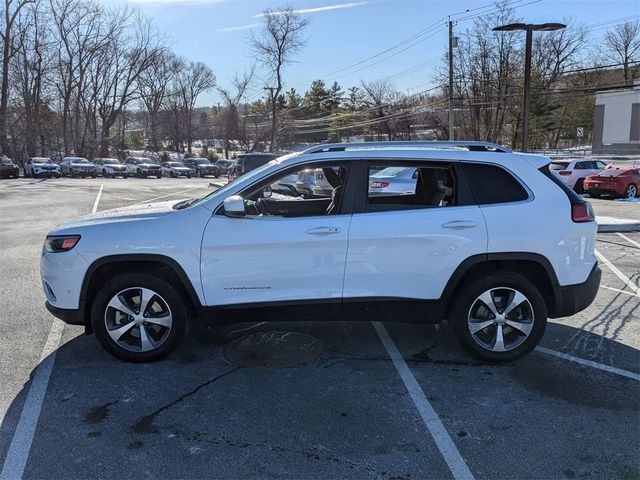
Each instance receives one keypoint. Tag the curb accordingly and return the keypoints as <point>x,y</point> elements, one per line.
<point>611,224</point>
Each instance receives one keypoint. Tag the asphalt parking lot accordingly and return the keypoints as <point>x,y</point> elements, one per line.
<point>306,400</point>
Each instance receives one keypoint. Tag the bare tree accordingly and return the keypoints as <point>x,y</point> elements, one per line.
<point>196,79</point>
<point>623,45</point>
<point>228,121</point>
<point>281,39</point>
<point>153,86</point>
<point>12,9</point>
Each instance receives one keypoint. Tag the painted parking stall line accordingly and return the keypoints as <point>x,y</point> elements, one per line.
<point>18,454</point>
<point>632,242</point>
<point>20,446</point>
<point>590,363</point>
<point>618,273</point>
<point>456,463</point>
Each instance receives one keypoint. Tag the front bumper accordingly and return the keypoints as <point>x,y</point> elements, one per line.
<point>9,172</point>
<point>69,316</point>
<point>571,299</point>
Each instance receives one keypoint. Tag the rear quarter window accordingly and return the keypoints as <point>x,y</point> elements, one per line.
<point>492,184</point>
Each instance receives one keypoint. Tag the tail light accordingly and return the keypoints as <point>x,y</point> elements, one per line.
<point>379,185</point>
<point>565,173</point>
<point>582,212</point>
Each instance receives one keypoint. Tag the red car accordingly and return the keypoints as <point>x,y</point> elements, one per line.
<point>618,181</point>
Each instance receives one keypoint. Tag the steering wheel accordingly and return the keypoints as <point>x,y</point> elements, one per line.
<point>262,205</point>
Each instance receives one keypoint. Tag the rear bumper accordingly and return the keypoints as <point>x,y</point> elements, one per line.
<point>571,299</point>
<point>69,316</point>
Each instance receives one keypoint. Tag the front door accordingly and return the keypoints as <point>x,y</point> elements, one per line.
<point>286,248</point>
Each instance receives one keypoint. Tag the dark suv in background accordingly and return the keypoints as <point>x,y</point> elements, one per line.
<point>202,167</point>
<point>245,162</point>
<point>8,169</point>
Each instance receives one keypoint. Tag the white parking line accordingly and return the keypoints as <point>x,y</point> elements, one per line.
<point>20,446</point>
<point>456,463</point>
<point>18,454</point>
<point>620,291</point>
<point>95,204</point>
<point>633,242</point>
<point>618,273</point>
<point>589,363</point>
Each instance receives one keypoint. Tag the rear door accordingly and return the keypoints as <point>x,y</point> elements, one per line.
<point>408,245</point>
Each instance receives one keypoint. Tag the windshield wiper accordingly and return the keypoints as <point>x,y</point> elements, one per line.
<point>184,204</point>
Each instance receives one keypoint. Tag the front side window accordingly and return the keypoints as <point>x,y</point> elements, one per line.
<point>413,186</point>
<point>283,195</point>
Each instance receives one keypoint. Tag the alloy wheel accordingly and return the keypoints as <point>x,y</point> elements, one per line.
<point>632,191</point>
<point>138,319</point>
<point>500,319</point>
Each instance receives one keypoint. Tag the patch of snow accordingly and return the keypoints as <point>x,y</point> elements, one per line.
<point>631,200</point>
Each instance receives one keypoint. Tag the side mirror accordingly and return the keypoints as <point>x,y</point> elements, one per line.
<point>234,206</point>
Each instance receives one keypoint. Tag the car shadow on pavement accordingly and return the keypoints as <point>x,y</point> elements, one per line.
<point>292,399</point>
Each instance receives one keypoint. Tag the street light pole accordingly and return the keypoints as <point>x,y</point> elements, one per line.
<point>529,28</point>
<point>451,135</point>
<point>527,86</point>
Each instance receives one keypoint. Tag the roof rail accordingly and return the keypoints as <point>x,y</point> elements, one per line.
<point>471,146</point>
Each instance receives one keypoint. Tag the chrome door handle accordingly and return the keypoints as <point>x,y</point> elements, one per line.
<point>460,224</point>
<point>323,231</point>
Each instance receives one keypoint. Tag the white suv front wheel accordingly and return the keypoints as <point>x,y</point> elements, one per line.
<point>500,317</point>
<point>138,317</point>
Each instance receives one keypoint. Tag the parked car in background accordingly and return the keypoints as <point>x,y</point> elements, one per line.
<point>622,181</point>
<point>78,167</point>
<point>393,181</point>
<point>8,169</point>
<point>111,167</point>
<point>176,169</point>
<point>573,172</point>
<point>305,182</point>
<point>41,167</point>
<point>202,167</point>
<point>245,162</point>
<point>143,167</point>
<point>223,165</point>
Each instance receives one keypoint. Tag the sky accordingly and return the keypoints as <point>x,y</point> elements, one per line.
<point>343,33</point>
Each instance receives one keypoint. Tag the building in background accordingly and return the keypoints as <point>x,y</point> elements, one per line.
<point>616,122</point>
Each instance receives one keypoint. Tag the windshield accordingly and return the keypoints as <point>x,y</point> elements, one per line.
<point>203,161</point>
<point>174,164</point>
<point>6,161</point>
<point>111,161</point>
<point>145,160</point>
<point>79,160</point>
<point>41,160</point>
<point>390,172</point>
<point>252,174</point>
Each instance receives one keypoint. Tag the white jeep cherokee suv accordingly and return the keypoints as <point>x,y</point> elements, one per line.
<point>488,239</point>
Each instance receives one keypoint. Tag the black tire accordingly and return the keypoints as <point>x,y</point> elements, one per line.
<point>188,175</point>
<point>125,175</point>
<point>172,174</point>
<point>140,174</point>
<point>165,290</point>
<point>579,186</point>
<point>465,298</point>
<point>200,174</point>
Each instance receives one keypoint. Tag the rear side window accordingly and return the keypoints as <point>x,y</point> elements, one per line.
<point>493,184</point>
<point>396,187</point>
<point>558,165</point>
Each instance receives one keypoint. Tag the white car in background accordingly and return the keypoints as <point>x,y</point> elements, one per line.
<point>574,171</point>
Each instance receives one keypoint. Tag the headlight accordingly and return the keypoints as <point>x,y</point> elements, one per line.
<point>60,243</point>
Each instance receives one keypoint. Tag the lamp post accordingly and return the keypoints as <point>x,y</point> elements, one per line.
<point>529,28</point>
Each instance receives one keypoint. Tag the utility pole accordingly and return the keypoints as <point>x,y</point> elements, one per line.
<point>451,40</point>
<point>274,124</point>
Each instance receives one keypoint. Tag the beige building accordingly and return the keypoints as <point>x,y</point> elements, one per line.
<point>616,123</point>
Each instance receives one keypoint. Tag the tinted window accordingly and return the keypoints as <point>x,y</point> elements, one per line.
<point>493,184</point>
<point>558,165</point>
<point>416,186</point>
